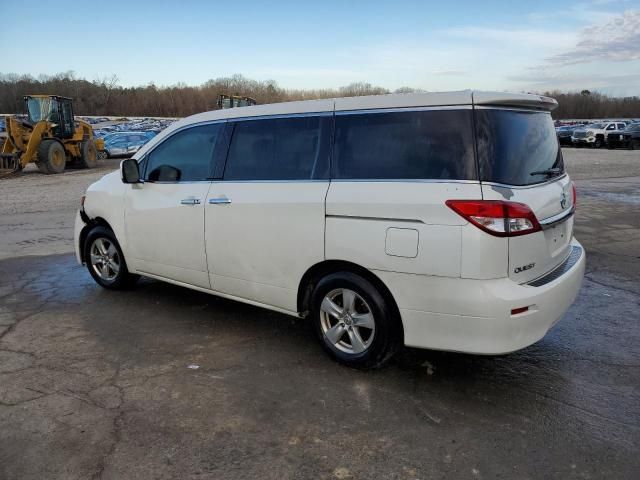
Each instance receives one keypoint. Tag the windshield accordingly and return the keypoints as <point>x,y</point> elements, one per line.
<point>39,109</point>
<point>598,126</point>
<point>517,147</point>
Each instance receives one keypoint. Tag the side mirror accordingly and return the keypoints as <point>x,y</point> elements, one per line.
<point>129,171</point>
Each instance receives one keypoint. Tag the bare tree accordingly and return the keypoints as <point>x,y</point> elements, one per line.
<point>104,96</point>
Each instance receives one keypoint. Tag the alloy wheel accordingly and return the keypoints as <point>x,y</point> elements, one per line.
<point>105,259</point>
<point>347,321</point>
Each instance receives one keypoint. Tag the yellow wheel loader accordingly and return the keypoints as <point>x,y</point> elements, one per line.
<point>50,137</point>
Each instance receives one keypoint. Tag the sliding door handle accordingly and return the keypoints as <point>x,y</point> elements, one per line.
<point>190,201</point>
<point>219,200</point>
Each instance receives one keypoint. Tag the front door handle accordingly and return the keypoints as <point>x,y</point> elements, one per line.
<point>219,200</point>
<point>190,201</point>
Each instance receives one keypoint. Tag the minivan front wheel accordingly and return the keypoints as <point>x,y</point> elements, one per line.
<point>353,320</point>
<point>105,260</point>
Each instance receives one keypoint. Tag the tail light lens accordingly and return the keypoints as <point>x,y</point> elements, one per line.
<point>497,217</point>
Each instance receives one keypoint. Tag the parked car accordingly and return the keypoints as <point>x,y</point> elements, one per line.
<point>434,220</point>
<point>564,134</point>
<point>123,145</point>
<point>627,138</point>
<point>103,132</point>
<point>111,136</point>
<point>594,134</point>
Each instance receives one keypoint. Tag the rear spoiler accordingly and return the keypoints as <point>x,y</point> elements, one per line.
<point>518,100</point>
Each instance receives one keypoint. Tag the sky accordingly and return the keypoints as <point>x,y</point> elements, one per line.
<point>534,45</point>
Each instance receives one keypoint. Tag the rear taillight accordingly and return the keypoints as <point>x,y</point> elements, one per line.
<point>574,195</point>
<point>497,217</point>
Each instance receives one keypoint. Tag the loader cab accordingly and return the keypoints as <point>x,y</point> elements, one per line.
<point>54,109</point>
<point>233,101</point>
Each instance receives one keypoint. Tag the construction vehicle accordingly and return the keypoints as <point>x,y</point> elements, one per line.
<point>49,136</point>
<point>232,101</point>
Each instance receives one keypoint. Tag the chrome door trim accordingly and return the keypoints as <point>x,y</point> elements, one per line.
<point>219,200</point>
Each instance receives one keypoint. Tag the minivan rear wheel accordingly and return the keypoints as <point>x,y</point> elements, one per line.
<point>354,322</point>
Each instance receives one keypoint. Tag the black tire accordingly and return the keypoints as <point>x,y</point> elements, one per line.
<point>634,145</point>
<point>103,155</point>
<point>88,154</point>
<point>51,157</point>
<point>598,143</point>
<point>122,279</point>
<point>383,341</point>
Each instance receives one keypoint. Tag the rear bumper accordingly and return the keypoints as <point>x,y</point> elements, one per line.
<point>474,316</point>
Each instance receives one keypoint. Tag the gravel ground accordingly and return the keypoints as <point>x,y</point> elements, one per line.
<point>37,211</point>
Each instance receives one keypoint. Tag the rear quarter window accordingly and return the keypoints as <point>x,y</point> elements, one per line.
<point>432,144</point>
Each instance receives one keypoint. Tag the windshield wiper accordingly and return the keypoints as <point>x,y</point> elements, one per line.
<point>550,172</point>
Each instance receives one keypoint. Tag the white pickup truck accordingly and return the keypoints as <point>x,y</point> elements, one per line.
<point>595,134</point>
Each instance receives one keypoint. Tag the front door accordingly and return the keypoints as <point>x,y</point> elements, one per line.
<point>164,216</point>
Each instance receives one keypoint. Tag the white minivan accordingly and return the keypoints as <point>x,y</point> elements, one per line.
<point>434,220</point>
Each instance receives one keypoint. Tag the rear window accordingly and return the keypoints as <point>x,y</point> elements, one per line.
<point>516,147</point>
<point>433,144</point>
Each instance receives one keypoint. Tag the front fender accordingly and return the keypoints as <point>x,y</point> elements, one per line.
<point>104,203</point>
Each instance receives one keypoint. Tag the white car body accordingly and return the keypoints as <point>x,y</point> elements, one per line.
<point>456,287</point>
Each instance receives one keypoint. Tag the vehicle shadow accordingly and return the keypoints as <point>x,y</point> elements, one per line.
<point>539,365</point>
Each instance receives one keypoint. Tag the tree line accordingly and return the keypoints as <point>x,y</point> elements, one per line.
<point>586,104</point>
<point>105,96</point>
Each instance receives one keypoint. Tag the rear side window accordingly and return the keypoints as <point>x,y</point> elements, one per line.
<point>184,156</point>
<point>280,149</point>
<point>434,144</point>
<point>517,147</point>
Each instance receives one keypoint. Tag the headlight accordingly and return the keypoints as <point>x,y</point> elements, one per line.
<point>590,133</point>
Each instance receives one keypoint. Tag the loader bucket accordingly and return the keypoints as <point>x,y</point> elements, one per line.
<point>9,164</point>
